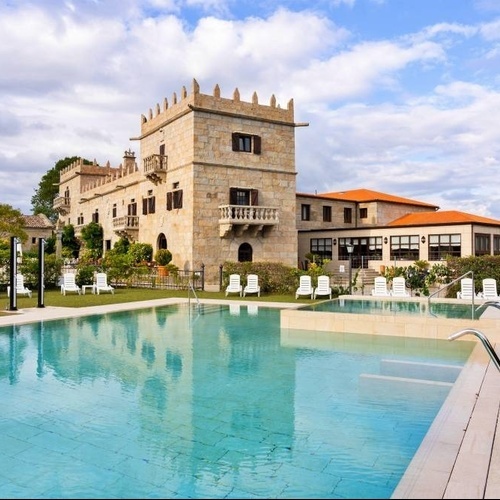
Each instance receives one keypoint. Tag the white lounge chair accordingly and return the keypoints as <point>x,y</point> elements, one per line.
<point>380,287</point>
<point>20,288</point>
<point>467,289</point>
<point>101,284</point>
<point>234,285</point>
<point>305,287</point>
<point>252,285</point>
<point>69,284</point>
<point>323,287</point>
<point>490,291</point>
<point>399,287</point>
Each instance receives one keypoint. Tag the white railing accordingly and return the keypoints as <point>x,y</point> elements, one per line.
<point>126,222</point>
<point>247,214</point>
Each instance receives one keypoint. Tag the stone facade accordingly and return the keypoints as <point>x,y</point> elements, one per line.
<point>217,182</point>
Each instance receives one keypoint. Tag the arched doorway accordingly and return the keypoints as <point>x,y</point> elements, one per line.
<point>245,253</point>
<point>161,241</point>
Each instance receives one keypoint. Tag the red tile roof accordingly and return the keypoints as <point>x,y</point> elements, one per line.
<point>444,217</point>
<point>39,221</point>
<point>367,195</point>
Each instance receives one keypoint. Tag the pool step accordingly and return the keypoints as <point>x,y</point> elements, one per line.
<point>382,387</point>
<point>424,371</point>
<point>408,379</point>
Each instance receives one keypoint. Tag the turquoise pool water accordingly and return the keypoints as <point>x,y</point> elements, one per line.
<point>176,402</point>
<point>393,306</point>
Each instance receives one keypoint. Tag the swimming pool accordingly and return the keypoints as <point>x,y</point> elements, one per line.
<point>212,402</point>
<point>447,309</point>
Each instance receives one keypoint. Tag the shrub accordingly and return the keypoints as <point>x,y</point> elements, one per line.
<point>163,257</point>
<point>140,252</point>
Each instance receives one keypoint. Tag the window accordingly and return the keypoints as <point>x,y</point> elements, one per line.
<point>240,196</point>
<point>174,199</point>
<point>363,213</point>
<point>322,247</point>
<point>162,241</point>
<point>33,240</point>
<point>482,244</point>
<point>496,244</point>
<point>246,143</point>
<point>132,208</point>
<point>347,215</point>
<point>442,245</point>
<point>327,214</point>
<point>372,247</point>
<point>305,212</point>
<point>95,216</point>
<point>405,247</point>
<point>114,210</point>
<point>107,245</point>
<point>148,204</point>
<point>80,220</point>
<point>245,253</point>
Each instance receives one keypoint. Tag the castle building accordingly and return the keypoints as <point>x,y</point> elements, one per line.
<point>216,182</point>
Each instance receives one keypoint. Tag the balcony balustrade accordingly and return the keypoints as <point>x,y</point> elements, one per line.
<point>127,226</point>
<point>61,205</point>
<point>240,218</point>
<point>155,167</point>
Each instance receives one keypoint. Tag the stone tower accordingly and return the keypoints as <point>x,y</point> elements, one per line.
<point>217,182</point>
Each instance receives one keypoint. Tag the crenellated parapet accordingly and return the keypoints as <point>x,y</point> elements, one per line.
<point>214,103</point>
<point>94,175</point>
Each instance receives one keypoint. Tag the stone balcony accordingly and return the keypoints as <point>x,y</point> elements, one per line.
<point>61,205</point>
<point>127,226</point>
<point>236,219</point>
<point>155,168</point>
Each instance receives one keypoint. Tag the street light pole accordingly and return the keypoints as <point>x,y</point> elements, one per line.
<point>350,248</point>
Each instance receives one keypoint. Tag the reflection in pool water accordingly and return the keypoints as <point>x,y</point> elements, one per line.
<point>388,307</point>
<point>201,403</point>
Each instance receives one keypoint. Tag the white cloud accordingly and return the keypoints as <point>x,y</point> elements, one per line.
<point>414,115</point>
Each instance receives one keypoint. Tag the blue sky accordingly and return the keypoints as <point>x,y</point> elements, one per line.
<point>401,96</point>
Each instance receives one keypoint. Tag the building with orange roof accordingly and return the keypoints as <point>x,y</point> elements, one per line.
<point>386,230</point>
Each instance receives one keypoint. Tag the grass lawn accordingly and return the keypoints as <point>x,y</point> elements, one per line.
<point>54,298</point>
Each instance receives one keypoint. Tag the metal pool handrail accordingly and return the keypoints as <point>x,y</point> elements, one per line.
<point>483,339</point>
<point>447,285</point>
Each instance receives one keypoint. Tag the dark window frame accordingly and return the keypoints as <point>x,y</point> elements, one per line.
<point>246,143</point>
<point>327,213</point>
<point>347,215</point>
<point>405,247</point>
<point>444,245</point>
<point>305,212</point>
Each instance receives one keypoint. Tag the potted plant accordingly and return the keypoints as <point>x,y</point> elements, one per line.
<point>162,259</point>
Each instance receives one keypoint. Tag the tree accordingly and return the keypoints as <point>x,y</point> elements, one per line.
<point>93,236</point>
<point>43,199</point>
<point>11,223</point>
<point>69,240</point>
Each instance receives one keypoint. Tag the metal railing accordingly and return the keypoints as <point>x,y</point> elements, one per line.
<point>447,285</point>
<point>486,343</point>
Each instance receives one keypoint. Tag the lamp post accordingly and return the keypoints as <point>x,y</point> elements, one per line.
<point>350,249</point>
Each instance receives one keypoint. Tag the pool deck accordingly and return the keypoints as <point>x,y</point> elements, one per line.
<point>460,455</point>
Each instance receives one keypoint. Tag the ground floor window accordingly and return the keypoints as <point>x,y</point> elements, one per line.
<point>482,244</point>
<point>496,244</point>
<point>245,253</point>
<point>405,247</point>
<point>443,245</point>
<point>322,247</point>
